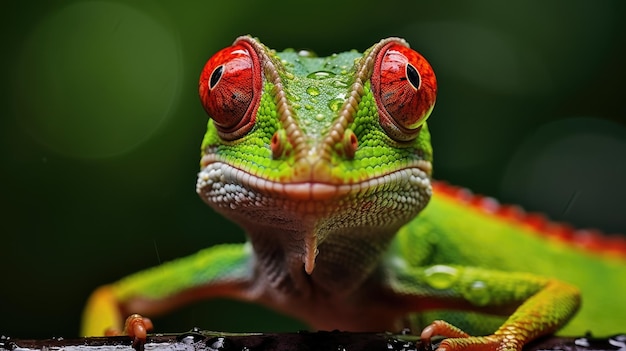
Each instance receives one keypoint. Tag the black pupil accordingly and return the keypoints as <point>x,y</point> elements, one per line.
<point>411,74</point>
<point>215,76</point>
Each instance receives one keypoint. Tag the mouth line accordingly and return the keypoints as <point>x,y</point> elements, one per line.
<point>218,174</point>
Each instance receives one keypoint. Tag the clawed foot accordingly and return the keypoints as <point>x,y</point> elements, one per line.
<point>136,327</point>
<point>458,340</point>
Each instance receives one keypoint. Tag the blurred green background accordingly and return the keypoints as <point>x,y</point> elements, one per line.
<point>100,128</point>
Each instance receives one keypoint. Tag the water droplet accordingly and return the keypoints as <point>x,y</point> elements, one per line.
<point>187,339</point>
<point>309,107</point>
<point>306,53</point>
<point>289,75</point>
<point>618,340</point>
<point>319,117</point>
<point>190,337</point>
<point>441,276</point>
<point>320,75</point>
<point>583,342</point>
<point>478,293</point>
<point>339,84</point>
<point>335,104</point>
<point>313,91</point>
<point>400,345</point>
<point>219,343</point>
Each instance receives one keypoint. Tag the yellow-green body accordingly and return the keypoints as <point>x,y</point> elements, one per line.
<point>347,230</point>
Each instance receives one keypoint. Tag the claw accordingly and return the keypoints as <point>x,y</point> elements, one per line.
<point>137,327</point>
<point>458,340</point>
<point>442,328</point>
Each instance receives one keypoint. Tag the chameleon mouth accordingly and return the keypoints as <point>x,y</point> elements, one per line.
<point>303,207</point>
<point>219,182</point>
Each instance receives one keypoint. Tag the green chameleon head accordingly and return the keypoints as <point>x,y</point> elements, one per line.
<point>301,150</point>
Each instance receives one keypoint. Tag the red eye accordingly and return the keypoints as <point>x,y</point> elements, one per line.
<point>405,89</point>
<point>230,89</point>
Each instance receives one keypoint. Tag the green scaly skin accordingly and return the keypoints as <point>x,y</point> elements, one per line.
<point>329,202</point>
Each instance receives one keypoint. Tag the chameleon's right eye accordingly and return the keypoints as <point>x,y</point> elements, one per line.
<point>230,89</point>
<point>405,89</point>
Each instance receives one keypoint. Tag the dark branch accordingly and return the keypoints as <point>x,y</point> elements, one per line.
<point>204,340</point>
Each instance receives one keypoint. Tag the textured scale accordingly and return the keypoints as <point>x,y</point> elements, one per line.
<point>320,119</point>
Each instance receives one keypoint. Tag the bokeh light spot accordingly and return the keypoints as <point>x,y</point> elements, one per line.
<point>97,78</point>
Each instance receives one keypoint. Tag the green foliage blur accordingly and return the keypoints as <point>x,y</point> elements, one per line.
<point>100,128</point>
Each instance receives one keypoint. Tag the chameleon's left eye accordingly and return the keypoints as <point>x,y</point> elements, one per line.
<point>405,90</point>
<point>230,89</point>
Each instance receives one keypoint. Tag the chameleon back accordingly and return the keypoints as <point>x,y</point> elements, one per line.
<point>469,230</point>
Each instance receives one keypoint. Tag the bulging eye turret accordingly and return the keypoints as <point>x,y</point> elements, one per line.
<point>230,89</point>
<point>405,89</point>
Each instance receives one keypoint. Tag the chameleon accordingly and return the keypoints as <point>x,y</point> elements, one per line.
<point>326,163</point>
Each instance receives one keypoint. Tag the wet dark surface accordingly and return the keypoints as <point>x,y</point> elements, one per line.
<point>335,341</point>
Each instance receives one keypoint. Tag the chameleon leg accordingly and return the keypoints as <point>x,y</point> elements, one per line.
<point>103,315</point>
<point>218,271</point>
<point>543,305</point>
<point>542,313</point>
